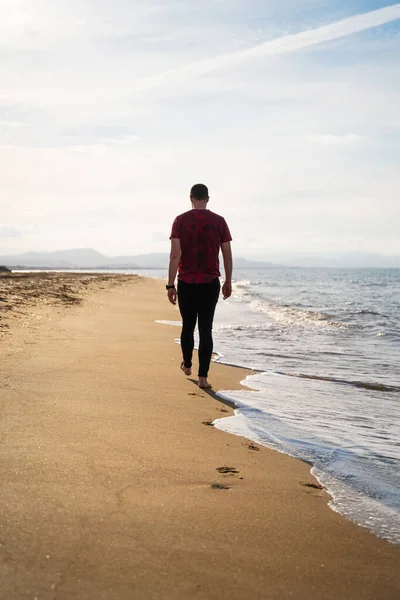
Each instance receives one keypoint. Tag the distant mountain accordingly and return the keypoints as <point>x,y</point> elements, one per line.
<point>87,258</point>
<point>244,263</point>
<point>62,259</point>
<point>145,261</point>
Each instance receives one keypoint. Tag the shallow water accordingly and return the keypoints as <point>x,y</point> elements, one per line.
<point>328,345</point>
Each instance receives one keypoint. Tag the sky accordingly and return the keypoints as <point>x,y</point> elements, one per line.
<point>110,110</point>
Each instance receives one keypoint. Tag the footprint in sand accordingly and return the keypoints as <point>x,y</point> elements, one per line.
<point>253,447</point>
<point>232,470</point>
<point>315,486</point>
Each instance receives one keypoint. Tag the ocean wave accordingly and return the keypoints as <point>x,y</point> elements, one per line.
<point>367,385</point>
<point>390,334</point>
<point>243,327</point>
<point>290,316</point>
<point>368,311</point>
<point>284,314</point>
<point>174,323</point>
<point>243,284</point>
<point>238,285</point>
<point>379,284</point>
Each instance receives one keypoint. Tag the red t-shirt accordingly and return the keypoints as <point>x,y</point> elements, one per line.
<point>201,233</point>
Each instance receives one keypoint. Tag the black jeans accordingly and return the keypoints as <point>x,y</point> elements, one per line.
<point>197,301</point>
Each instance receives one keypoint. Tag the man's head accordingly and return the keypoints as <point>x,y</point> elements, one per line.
<point>199,193</point>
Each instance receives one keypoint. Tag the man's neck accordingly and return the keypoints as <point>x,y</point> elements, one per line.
<point>199,205</point>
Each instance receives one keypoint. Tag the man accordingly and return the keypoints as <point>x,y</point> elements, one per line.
<point>196,239</point>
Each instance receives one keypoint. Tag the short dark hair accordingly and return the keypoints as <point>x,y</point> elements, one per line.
<point>199,192</point>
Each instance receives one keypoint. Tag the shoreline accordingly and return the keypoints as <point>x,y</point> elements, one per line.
<point>364,510</point>
<point>147,500</point>
<point>324,481</point>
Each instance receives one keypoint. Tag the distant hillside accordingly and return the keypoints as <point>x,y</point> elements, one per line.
<point>144,261</point>
<point>87,258</point>
<point>61,259</point>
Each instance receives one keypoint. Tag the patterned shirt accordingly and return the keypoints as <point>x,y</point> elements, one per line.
<point>201,233</point>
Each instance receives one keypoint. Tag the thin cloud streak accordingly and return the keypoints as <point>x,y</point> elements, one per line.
<point>286,43</point>
<point>329,138</point>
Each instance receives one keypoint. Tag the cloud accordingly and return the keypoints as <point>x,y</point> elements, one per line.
<point>96,162</point>
<point>8,231</point>
<point>13,231</point>
<point>128,139</point>
<point>104,144</point>
<point>332,139</point>
<point>286,43</point>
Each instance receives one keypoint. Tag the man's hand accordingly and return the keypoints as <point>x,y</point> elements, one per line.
<point>174,260</point>
<point>228,265</point>
<point>227,290</point>
<point>172,295</point>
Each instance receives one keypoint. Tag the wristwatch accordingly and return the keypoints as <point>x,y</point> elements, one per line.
<point>169,287</point>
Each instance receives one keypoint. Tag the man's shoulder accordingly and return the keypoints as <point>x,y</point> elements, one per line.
<point>219,217</point>
<point>184,215</point>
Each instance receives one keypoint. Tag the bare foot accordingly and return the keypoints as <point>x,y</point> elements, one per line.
<point>203,383</point>
<point>186,370</point>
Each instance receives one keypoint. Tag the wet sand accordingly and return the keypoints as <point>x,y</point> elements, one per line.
<point>115,485</point>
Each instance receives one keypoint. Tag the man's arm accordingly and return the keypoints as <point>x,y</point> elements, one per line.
<point>228,267</point>
<point>174,259</point>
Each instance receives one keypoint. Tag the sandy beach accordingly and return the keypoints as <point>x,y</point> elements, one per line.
<point>115,485</point>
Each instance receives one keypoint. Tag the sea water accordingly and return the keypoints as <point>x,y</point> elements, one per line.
<point>325,347</point>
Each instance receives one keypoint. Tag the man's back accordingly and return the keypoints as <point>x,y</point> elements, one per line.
<point>201,233</point>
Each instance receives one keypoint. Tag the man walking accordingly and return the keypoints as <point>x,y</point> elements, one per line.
<point>196,239</point>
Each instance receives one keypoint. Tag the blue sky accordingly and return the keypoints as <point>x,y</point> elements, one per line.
<point>111,110</point>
